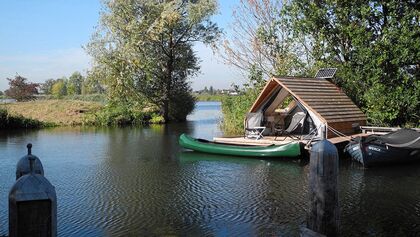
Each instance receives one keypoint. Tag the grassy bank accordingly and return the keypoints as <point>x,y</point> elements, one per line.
<point>58,112</point>
<point>76,112</point>
<point>8,121</point>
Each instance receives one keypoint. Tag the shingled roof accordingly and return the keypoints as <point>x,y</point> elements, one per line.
<point>321,96</point>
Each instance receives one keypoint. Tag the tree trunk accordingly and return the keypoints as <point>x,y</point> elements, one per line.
<point>168,82</point>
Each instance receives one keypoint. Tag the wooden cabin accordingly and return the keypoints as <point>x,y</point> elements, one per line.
<point>329,111</point>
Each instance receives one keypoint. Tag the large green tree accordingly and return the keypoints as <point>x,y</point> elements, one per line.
<point>375,45</point>
<point>74,84</point>
<point>144,50</point>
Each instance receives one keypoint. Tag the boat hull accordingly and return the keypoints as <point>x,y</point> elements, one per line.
<point>369,154</point>
<point>287,150</point>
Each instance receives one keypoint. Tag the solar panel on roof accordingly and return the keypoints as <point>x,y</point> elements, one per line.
<point>326,73</point>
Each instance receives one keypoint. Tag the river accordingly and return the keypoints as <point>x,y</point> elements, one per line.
<point>138,182</point>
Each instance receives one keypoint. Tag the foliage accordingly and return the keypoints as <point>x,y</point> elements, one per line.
<point>181,102</point>
<point>59,88</point>
<point>234,108</point>
<point>263,37</point>
<point>8,121</point>
<point>208,97</point>
<point>74,84</point>
<point>112,115</point>
<point>92,85</point>
<point>46,87</point>
<point>1,93</point>
<point>90,97</point>
<point>375,45</point>
<point>20,90</point>
<point>143,50</point>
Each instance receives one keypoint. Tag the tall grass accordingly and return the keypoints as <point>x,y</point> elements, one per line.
<point>234,109</point>
<point>8,120</point>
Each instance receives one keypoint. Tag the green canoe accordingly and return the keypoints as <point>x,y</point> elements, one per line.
<point>287,150</point>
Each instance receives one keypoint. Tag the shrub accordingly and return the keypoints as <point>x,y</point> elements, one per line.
<point>18,121</point>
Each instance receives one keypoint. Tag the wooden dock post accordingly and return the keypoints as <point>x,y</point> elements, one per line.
<point>323,216</point>
<point>32,205</point>
<point>22,166</point>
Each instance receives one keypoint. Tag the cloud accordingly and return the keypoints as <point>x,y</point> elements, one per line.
<point>43,65</point>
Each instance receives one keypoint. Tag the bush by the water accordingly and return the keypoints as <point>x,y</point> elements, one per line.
<point>234,108</point>
<point>112,115</point>
<point>18,121</point>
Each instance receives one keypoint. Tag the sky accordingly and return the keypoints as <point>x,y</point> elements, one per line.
<point>40,40</point>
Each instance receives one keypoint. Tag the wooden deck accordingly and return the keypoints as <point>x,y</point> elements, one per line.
<point>269,140</point>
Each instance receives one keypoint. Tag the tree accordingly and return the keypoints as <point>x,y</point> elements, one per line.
<point>46,86</point>
<point>211,90</point>
<point>262,38</point>
<point>59,89</point>
<point>375,45</point>
<point>74,84</point>
<point>1,93</point>
<point>144,50</point>
<point>20,90</point>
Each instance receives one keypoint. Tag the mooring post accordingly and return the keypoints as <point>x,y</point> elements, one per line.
<point>323,216</point>
<point>22,166</point>
<point>32,204</point>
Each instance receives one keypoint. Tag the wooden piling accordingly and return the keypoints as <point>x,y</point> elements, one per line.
<point>323,216</point>
<point>23,168</point>
<point>32,206</point>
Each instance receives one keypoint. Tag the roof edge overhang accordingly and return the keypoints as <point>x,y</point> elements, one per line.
<point>261,96</point>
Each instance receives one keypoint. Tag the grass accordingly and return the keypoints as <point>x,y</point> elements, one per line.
<point>8,121</point>
<point>58,112</point>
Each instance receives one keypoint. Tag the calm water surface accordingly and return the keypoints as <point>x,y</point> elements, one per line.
<point>138,182</point>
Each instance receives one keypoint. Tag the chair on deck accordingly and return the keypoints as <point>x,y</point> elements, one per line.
<point>297,119</point>
<point>253,128</point>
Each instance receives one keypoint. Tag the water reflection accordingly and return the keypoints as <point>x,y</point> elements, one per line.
<point>138,182</point>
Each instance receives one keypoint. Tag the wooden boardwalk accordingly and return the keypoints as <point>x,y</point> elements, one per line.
<point>269,140</point>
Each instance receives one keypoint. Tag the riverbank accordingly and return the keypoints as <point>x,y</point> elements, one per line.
<point>57,112</point>
<point>76,113</point>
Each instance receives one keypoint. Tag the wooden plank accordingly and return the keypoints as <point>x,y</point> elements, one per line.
<point>324,97</point>
<point>340,106</point>
<point>337,140</point>
<point>302,79</point>
<point>333,116</point>
<point>341,112</point>
<point>265,141</point>
<point>297,90</point>
<point>328,103</point>
<point>339,120</point>
<point>315,86</point>
<point>314,93</point>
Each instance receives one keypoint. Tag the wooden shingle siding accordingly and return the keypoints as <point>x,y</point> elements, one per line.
<point>327,100</point>
<point>323,98</point>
